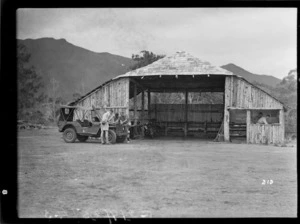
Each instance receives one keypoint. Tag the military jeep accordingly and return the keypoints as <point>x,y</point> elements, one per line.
<point>82,129</point>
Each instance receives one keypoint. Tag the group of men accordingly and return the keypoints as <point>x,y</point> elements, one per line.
<point>109,117</point>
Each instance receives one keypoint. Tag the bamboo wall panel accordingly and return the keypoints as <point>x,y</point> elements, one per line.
<point>241,94</point>
<point>114,94</point>
<point>265,134</point>
<point>196,112</point>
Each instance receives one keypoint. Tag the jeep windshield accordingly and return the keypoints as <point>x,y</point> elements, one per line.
<point>67,112</point>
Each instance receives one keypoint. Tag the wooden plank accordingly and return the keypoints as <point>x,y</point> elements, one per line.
<point>135,103</point>
<point>248,125</point>
<point>257,98</point>
<point>274,134</point>
<point>143,106</point>
<point>186,112</point>
<point>263,134</point>
<point>172,90</point>
<point>258,108</point>
<point>238,93</point>
<point>243,94</point>
<point>248,96</point>
<point>231,90</point>
<point>281,127</point>
<point>234,103</point>
<point>117,107</point>
<point>149,101</point>
<point>258,134</point>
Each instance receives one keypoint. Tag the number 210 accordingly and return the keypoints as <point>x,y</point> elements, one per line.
<point>264,182</point>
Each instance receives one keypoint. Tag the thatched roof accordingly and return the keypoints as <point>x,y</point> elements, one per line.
<point>180,63</point>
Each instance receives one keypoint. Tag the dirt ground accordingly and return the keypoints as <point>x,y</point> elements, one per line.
<point>166,177</point>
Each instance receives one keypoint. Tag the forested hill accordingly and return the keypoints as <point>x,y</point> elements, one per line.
<point>251,77</point>
<point>76,69</point>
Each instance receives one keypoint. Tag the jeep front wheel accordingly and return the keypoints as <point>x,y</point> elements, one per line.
<point>69,135</point>
<point>112,136</point>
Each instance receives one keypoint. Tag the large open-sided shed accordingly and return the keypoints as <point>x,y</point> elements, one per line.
<point>181,72</point>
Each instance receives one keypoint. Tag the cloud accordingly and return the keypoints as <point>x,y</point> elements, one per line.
<point>262,39</point>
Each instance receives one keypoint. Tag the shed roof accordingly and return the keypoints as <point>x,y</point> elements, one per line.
<point>181,63</point>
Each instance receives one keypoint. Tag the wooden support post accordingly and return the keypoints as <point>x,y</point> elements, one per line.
<point>143,110</point>
<point>127,96</point>
<point>186,113</point>
<point>149,101</point>
<point>281,128</point>
<point>226,125</point>
<point>226,111</point>
<point>143,106</point>
<point>248,126</point>
<point>135,108</point>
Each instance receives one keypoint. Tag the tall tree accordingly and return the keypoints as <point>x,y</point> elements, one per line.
<point>28,80</point>
<point>146,58</point>
<point>54,99</point>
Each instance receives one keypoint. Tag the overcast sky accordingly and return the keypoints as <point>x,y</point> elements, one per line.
<point>260,40</point>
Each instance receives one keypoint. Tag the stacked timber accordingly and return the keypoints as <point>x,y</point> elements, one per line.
<point>237,130</point>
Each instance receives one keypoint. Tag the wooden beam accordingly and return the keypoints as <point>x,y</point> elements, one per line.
<point>248,126</point>
<point>260,108</point>
<point>116,107</point>
<point>190,90</point>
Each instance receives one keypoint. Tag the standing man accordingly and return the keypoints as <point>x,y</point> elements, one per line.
<point>124,120</point>
<point>107,116</point>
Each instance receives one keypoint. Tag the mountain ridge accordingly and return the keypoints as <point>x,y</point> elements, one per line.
<point>251,77</point>
<point>75,68</point>
<point>79,70</point>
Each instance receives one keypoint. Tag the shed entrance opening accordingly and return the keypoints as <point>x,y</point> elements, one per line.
<point>196,111</point>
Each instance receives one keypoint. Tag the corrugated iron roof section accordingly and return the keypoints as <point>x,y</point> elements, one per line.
<point>181,63</point>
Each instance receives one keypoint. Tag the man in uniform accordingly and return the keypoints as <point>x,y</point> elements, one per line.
<point>124,120</point>
<point>107,116</point>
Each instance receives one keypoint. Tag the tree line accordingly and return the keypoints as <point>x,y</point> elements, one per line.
<point>35,104</point>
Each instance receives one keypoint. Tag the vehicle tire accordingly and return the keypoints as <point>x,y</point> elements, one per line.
<point>82,138</point>
<point>69,135</point>
<point>121,139</point>
<point>112,136</point>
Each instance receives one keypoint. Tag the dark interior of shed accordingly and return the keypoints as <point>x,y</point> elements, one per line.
<point>183,117</point>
